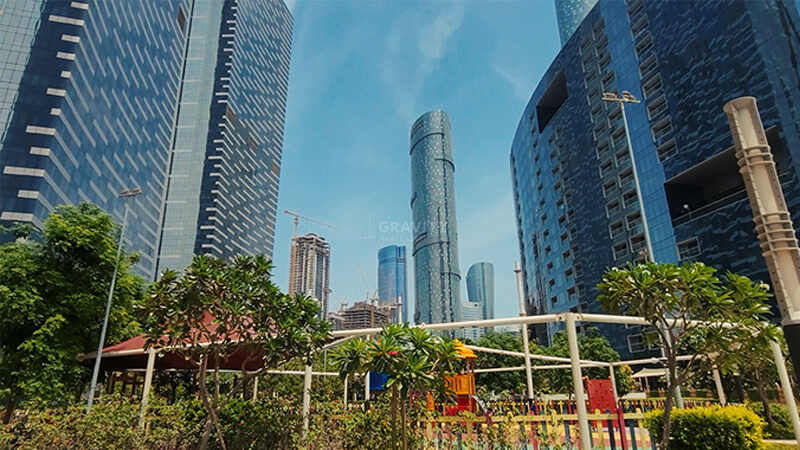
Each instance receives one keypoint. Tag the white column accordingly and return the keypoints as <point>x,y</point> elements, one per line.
<point>306,399</point>
<point>366,386</point>
<point>255,388</point>
<point>723,400</point>
<point>345,390</point>
<point>577,381</point>
<point>787,388</point>
<point>525,345</point>
<point>148,380</point>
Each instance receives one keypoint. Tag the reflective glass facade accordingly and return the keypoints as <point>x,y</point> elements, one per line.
<point>570,14</point>
<point>224,181</point>
<point>392,286</point>
<point>480,287</point>
<point>578,211</point>
<point>88,95</point>
<point>435,247</point>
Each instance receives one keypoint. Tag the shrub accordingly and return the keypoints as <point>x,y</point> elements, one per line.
<point>710,428</point>
<point>782,429</point>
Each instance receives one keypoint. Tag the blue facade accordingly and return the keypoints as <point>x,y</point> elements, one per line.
<point>570,14</point>
<point>480,287</point>
<point>225,167</point>
<point>433,206</point>
<point>88,96</point>
<point>577,210</point>
<point>392,285</point>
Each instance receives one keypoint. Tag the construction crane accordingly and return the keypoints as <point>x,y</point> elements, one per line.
<point>297,218</point>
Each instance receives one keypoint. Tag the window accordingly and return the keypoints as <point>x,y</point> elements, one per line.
<point>636,343</point>
<point>657,107</point>
<point>626,177</point>
<point>647,66</point>
<point>181,18</point>
<point>605,168</point>
<point>620,250</point>
<point>616,228</point>
<point>623,157</point>
<point>634,220</point>
<point>554,96</point>
<point>610,187</point>
<point>638,243</point>
<point>612,208</point>
<point>630,198</point>
<point>667,150</point>
<point>564,236</point>
<point>652,87</point>
<point>662,129</point>
<point>689,249</point>
<point>553,300</point>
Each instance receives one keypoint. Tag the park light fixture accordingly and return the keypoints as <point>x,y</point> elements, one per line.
<point>127,194</point>
<point>627,97</point>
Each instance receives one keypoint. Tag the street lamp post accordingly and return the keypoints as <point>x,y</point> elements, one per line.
<point>627,97</point>
<point>127,194</point>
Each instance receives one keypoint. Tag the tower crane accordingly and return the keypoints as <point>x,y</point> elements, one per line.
<point>297,218</point>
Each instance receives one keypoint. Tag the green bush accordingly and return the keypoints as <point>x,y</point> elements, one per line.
<point>782,429</point>
<point>709,428</point>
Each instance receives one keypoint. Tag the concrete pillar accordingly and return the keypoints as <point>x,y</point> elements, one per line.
<point>771,216</point>
<point>723,400</point>
<point>577,381</point>
<point>255,388</point>
<point>613,384</point>
<point>791,405</point>
<point>306,399</point>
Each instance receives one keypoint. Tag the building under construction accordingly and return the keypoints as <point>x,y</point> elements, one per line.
<point>360,315</point>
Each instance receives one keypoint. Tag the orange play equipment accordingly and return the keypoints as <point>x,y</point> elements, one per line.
<point>462,384</point>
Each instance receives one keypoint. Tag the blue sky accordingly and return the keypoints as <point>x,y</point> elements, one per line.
<point>362,72</point>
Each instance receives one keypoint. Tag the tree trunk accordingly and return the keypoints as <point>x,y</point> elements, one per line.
<point>394,411</point>
<point>403,404</point>
<point>11,405</point>
<point>762,392</point>
<point>667,421</point>
<point>211,409</point>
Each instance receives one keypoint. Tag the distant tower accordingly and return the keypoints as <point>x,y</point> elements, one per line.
<point>309,271</point>
<point>433,206</point>
<point>392,284</point>
<point>480,287</point>
<point>570,14</point>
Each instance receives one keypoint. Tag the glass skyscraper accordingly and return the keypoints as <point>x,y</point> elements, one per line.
<point>225,168</point>
<point>578,211</point>
<point>88,96</point>
<point>480,287</point>
<point>570,14</point>
<point>392,284</point>
<point>433,206</point>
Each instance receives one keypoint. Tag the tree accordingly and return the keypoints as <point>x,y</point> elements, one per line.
<point>218,308</point>
<point>53,291</point>
<point>506,381</point>
<point>683,304</point>
<point>591,346</point>
<point>412,359</point>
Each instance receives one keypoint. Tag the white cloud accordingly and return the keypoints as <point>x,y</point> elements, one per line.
<point>405,66</point>
<point>518,85</point>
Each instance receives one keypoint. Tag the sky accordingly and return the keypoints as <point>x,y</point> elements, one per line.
<point>361,73</point>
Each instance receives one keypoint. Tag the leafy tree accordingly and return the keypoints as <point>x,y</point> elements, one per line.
<point>684,304</point>
<point>53,291</point>
<point>506,381</point>
<point>218,308</point>
<point>591,346</point>
<point>412,359</point>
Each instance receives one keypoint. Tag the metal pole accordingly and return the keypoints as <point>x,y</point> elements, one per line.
<point>777,353</point>
<point>613,384</point>
<point>148,381</point>
<point>255,388</point>
<point>723,400</point>
<point>525,345</point>
<point>650,256</point>
<point>102,341</point>
<point>345,390</point>
<point>306,399</point>
<point>577,381</point>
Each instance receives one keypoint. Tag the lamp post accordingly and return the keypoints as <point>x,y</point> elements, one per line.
<point>127,194</point>
<point>627,97</point>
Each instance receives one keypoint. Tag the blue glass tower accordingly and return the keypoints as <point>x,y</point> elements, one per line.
<point>570,14</point>
<point>392,286</point>
<point>480,287</point>
<point>433,206</point>
<point>225,167</point>
<point>577,208</point>
<point>87,104</point>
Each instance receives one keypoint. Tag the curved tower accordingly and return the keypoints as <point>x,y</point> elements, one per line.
<point>392,284</point>
<point>433,206</point>
<point>570,14</point>
<point>480,287</point>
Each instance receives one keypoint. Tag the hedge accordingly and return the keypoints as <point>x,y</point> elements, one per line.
<point>709,428</point>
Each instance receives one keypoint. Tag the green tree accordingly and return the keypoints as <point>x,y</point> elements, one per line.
<point>412,359</point>
<point>218,308</point>
<point>506,381</point>
<point>53,292</point>
<point>591,346</point>
<point>684,304</point>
